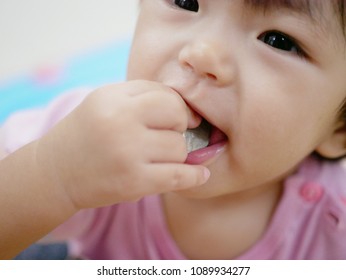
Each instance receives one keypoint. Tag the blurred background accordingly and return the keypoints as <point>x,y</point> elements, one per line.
<point>37,32</point>
<point>50,46</point>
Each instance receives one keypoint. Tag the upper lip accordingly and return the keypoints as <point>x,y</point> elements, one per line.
<point>193,107</point>
<point>198,111</point>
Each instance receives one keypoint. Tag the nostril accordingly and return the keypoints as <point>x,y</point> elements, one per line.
<point>199,67</point>
<point>208,75</point>
<point>187,65</point>
<point>211,76</point>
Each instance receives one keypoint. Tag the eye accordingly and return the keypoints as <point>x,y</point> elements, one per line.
<point>281,41</point>
<point>190,5</point>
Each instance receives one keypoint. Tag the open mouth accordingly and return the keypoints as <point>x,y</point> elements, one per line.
<point>205,135</point>
<point>198,138</point>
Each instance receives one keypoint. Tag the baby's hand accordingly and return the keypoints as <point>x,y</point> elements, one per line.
<point>122,143</point>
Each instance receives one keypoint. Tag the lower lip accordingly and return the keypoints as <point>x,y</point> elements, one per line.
<point>205,154</point>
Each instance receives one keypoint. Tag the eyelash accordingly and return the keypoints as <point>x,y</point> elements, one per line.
<point>282,42</point>
<point>189,5</point>
<point>273,38</point>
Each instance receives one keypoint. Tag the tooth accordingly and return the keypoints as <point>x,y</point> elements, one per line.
<point>197,138</point>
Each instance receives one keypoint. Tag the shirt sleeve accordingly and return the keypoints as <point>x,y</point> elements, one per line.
<point>26,126</point>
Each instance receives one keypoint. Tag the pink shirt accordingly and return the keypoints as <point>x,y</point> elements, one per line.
<point>309,223</point>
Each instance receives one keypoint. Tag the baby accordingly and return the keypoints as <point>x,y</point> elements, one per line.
<point>260,84</point>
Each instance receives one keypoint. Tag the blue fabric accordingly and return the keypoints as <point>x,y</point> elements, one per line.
<point>56,251</point>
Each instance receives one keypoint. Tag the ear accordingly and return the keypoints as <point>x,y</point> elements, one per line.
<point>335,145</point>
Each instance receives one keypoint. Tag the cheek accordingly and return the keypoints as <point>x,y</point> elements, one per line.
<point>270,140</point>
<point>149,50</point>
<point>137,61</point>
<point>155,44</point>
<point>146,59</point>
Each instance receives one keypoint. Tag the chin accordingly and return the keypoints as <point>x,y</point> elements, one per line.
<point>205,191</point>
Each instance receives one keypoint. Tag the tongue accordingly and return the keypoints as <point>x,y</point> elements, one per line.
<point>198,137</point>
<point>216,136</point>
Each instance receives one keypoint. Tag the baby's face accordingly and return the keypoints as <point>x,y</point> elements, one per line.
<point>269,83</point>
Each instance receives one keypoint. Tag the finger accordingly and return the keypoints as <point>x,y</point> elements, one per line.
<point>172,177</point>
<point>139,87</point>
<point>166,146</point>
<point>162,110</point>
<point>134,87</point>
<point>194,119</point>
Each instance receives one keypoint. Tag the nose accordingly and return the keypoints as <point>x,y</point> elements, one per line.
<point>208,60</point>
